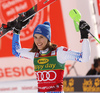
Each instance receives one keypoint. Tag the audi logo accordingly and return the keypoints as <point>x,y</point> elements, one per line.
<point>46,75</point>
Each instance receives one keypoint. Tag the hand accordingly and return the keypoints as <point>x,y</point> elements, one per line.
<point>83,26</point>
<point>19,25</point>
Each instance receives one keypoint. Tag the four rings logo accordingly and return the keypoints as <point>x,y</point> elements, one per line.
<point>43,61</point>
<point>46,75</point>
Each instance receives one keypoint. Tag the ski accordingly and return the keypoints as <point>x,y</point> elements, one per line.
<point>28,15</point>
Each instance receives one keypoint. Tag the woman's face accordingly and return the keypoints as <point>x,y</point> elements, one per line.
<point>40,41</point>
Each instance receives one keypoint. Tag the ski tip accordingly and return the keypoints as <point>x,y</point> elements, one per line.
<point>75,15</point>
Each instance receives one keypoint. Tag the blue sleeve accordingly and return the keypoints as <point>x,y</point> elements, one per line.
<point>16,44</point>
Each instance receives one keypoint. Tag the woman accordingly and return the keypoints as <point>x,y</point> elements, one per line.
<point>95,69</point>
<point>49,60</point>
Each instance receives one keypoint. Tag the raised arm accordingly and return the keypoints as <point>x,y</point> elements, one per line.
<point>16,46</point>
<point>64,54</point>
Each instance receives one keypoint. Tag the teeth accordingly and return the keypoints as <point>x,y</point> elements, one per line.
<point>39,44</point>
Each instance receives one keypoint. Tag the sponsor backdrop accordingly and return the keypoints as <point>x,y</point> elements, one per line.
<point>63,34</point>
<point>13,68</point>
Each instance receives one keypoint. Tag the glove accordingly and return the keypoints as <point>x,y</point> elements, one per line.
<point>19,25</point>
<point>83,26</point>
<point>11,24</point>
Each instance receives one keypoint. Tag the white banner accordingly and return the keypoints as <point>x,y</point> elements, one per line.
<point>13,68</point>
<point>25,86</point>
